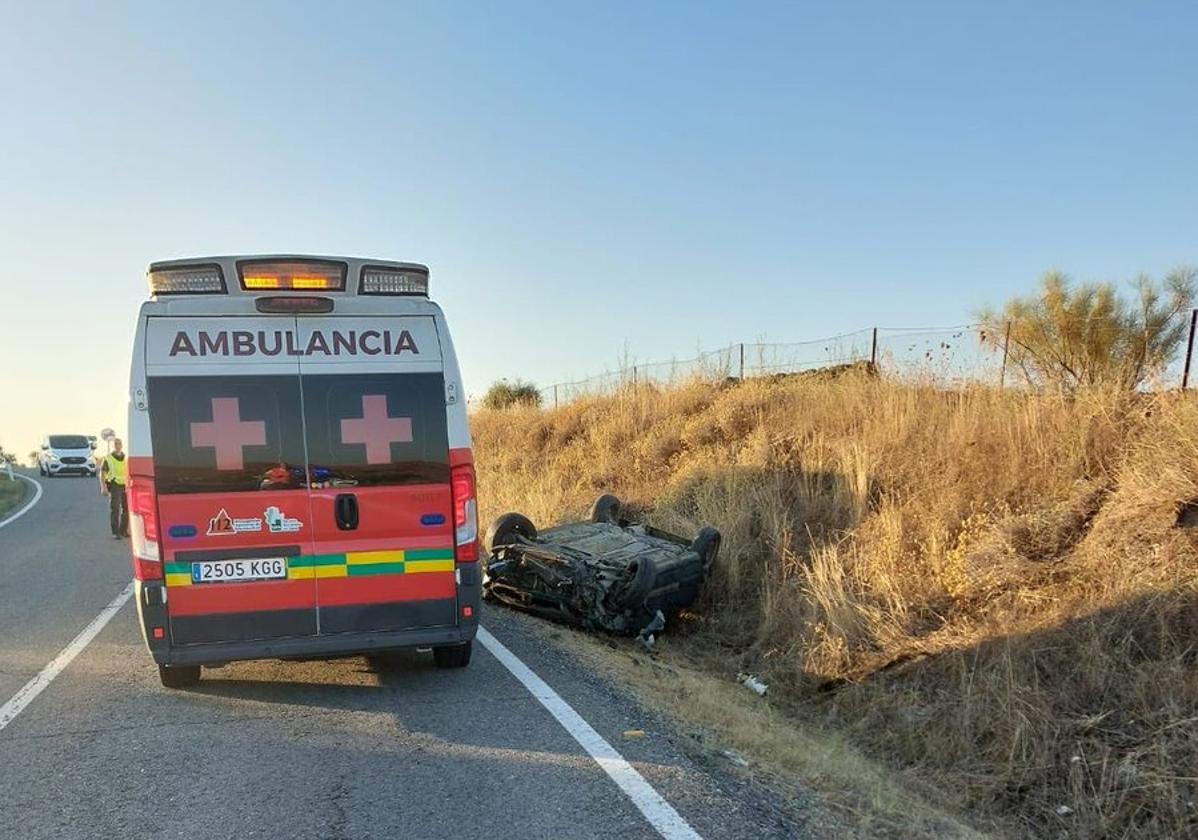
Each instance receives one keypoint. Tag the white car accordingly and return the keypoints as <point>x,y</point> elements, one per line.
<point>66,455</point>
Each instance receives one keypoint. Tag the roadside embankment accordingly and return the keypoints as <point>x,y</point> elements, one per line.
<point>993,594</point>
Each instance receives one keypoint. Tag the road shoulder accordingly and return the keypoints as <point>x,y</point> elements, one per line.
<point>810,778</point>
<point>716,797</point>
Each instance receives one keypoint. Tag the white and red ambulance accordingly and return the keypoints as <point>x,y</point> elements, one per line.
<point>301,483</point>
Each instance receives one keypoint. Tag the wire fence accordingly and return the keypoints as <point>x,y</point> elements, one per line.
<point>949,356</point>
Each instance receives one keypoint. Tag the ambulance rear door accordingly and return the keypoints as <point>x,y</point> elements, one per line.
<point>374,409</point>
<point>230,471</point>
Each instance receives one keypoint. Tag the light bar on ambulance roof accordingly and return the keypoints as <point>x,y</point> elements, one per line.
<point>291,275</point>
<point>187,280</point>
<point>382,280</point>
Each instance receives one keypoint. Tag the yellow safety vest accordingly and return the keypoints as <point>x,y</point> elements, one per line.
<point>115,469</point>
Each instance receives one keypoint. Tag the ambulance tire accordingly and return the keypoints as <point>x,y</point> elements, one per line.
<point>179,676</point>
<point>455,656</point>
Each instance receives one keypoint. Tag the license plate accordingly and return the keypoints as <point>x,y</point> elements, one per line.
<point>228,571</point>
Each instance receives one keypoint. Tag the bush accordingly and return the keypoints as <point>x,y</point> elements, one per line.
<point>505,394</point>
<point>1073,335</point>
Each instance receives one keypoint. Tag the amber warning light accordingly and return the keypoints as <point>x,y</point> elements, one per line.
<point>307,276</point>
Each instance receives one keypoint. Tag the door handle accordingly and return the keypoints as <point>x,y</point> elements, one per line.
<point>345,507</point>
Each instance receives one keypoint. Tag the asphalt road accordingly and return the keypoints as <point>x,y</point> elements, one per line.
<point>309,750</point>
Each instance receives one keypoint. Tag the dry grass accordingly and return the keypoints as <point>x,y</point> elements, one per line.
<point>11,493</point>
<point>989,591</point>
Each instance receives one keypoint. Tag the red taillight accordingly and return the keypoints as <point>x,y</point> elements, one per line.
<point>143,503</point>
<point>465,514</point>
<point>143,529</point>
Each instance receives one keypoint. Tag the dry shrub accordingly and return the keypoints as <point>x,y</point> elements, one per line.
<point>987,589</point>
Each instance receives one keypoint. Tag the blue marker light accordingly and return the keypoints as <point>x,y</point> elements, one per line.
<point>432,519</point>
<point>182,532</point>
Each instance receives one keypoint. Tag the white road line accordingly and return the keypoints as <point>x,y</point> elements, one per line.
<point>31,689</point>
<point>660,814</point>
<point>37,494</point>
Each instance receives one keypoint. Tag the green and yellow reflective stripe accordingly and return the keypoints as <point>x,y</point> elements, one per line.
<point>376,569</point>
<point>428,554</point>
<point>311,566</point>
<point>413,567</point>
<point>428,560</point>
<point>370,558</point>
<point>351,564</point>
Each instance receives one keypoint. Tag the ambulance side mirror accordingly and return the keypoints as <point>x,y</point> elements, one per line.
<point>45,446</point>
<point>92,444</point>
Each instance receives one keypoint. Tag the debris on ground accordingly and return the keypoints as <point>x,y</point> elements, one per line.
<point>609,573</point>
<point>648,635</point>
<point>735,757</point>
<point>753,684</point>
<point>634,733</point>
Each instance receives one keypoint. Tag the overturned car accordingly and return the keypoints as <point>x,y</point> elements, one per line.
<point>608,573</point>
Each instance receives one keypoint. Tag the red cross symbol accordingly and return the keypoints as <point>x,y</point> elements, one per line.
<point>376,429</point>
<point>228,433</point>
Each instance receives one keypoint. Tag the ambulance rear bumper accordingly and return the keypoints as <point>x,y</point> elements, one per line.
<point>296,647</point>
<point>314,647</point>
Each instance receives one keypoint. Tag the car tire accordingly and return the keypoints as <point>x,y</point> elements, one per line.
<point>641,585</point>
<point>179,676</point>
<point>707,545</point>
<point>455,656</point>
<point>41,470</point>
<point>505,529</point>
<point>607,508</point>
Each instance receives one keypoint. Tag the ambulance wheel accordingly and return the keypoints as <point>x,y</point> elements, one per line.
<point>179,676</point>
<point>505,529</point>
<point>606,509</point>
<point>457,656</point>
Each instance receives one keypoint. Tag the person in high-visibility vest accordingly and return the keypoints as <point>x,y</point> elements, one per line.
<point>114,473</point>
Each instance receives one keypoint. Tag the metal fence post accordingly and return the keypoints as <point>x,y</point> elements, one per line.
<point>742,361</point>
<point>555,396</point>
<point>1006,343</point>
<point>634,374</point>
<point>1185,375</point>
<point>873,350</point>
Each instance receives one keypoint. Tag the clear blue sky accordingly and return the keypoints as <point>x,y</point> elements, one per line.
<point>582,177</point>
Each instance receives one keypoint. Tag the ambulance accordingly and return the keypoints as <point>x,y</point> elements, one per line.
<point>301,483</point>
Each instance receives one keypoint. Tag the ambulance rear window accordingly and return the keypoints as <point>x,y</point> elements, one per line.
<point>226,433</point>
<point>222,434</point>
<point>376,429</point>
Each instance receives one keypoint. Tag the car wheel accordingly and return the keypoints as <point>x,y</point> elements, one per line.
<point>506,529</point>
<point>179,676</point>
<point>707,546</point>
<point>41,470</point>
<point>457,656</point>
<point>606,509</point>
<point>638,589</point>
